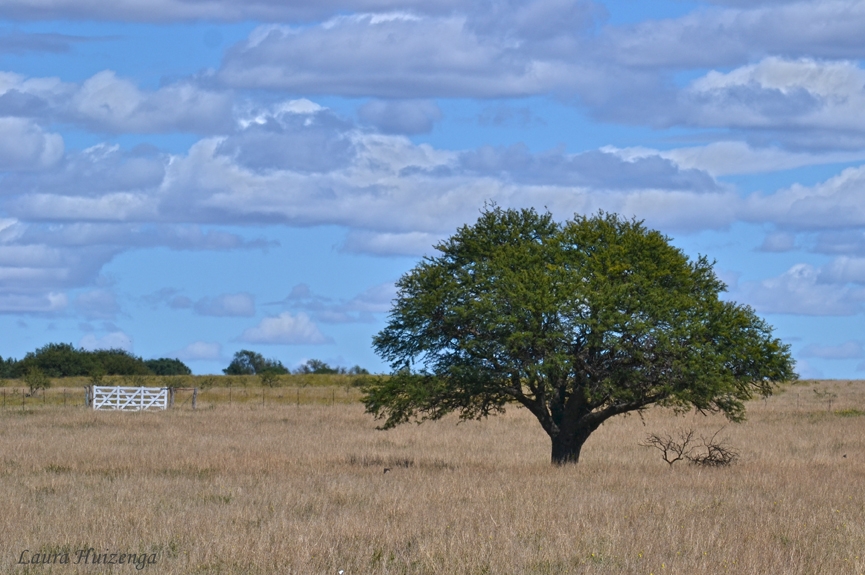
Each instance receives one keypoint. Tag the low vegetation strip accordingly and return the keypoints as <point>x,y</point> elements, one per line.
<point>251,489</point>
<point>213,391</point>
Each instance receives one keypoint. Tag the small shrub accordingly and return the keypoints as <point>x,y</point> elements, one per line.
<point>174,381</point>
<point>269,378</point>
<point>134,380</point>
<point>206,382</point>
<point>318,367</point>
<point>36,380</point>
<point>97,374</point>
<point>672,449</point>
<point>827,396</point>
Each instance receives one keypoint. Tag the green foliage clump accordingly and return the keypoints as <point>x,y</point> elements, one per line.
<point>247,362</point>
<point>58,360</point>
<point>64,360</point>
<point>166,366</point>
<point>35,380</point>
<point>319,367</point>
<point>9,368</point>
<point>119,362</point>
<point>268,378</point>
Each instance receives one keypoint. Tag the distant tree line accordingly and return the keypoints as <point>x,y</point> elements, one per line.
<point>64,360</point>
<point>247,362</point>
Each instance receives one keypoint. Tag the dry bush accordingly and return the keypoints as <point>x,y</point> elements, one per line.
<point>711,452</point>
<point>672,448</point>
<point>716,454</point>
<point>244,489</point>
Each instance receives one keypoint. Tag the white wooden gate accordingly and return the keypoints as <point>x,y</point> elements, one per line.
<point>129,398</point>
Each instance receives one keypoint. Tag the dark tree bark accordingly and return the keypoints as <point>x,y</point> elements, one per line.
<point>568,443</point>
<point>566,449</point>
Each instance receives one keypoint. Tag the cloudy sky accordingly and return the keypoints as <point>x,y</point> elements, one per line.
<point>187,178</point>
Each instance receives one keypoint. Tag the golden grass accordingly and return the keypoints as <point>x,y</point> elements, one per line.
<point>241,488</point>
<point>295,389</point>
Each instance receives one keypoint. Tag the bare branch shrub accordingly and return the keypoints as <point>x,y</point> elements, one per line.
<point>826,395</point>
<point>716,454</point>
<point>711,452</point>
<point>672,449</point>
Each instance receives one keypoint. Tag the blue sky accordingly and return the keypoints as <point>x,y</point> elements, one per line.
<point>186,179</point>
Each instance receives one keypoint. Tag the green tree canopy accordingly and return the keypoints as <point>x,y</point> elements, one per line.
<point>247,362</point>
<point>64,360</point>
<point>318,366</point>
<point>9,368</point>
<point>36,380</point>
<point>576,321</point>
<point>58,360</point>
<point>119,362</point>
<point>167,366</point>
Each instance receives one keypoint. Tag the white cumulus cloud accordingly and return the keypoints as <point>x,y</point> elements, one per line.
<point>784,94</point>
<point>113,340</point>
<point>26,146</point>
<point>200,351</point>
<point>285,329</point>
<point>799,291</point>
<point>16,303</point>
<point>106,102</point>
<point>401,116</point>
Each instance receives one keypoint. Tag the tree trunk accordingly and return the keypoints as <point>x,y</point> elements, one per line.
<point>567,447</point>
<point>565,451</point>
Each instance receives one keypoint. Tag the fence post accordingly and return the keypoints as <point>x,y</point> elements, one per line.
<point>194,396</point>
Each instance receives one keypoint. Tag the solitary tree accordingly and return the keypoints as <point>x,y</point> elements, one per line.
<point>36,380</point>
<point>247,362</point>
<point>576,321</point>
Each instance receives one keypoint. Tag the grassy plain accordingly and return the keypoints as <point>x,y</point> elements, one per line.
<point>298,486</point>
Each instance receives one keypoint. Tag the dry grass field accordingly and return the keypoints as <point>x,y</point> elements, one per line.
<point>298,487</point>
